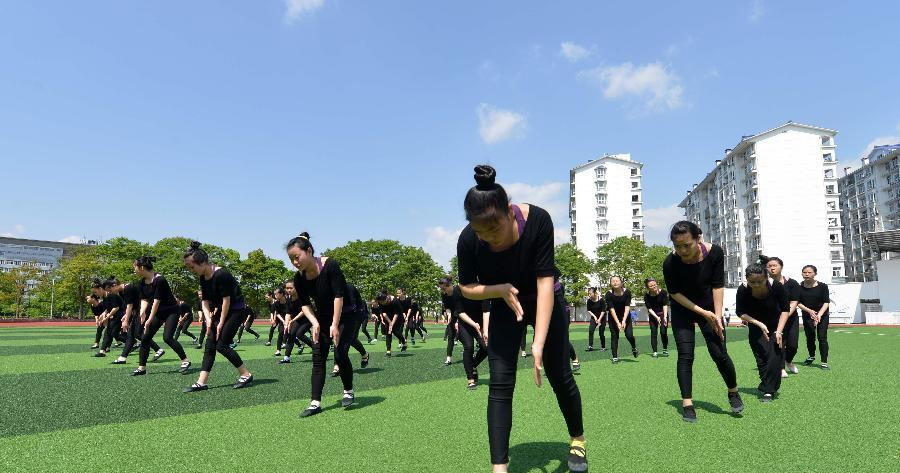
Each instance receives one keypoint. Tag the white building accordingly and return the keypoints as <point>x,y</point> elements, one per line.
<point>774,193</point>
<point>870,202</point>
<point>605,202</point>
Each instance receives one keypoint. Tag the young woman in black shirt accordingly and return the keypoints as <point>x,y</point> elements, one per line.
<point>97,309</point>
<point>657,302</point>
<point>695,277</point>
<point>505,254</point>
<point>618,302</point>
<point>224,309</point>
<point>279,315</point>
<point>321,280</point>
<point>131,320</point>
<point>158,303</point>
<point>296,324</point>
<point>791,328</point>
<point>450,295</point>
<point>112,316</point>
<point>185,318</point>
<point>393,315</point>
<point>251,317</point>
<point>356,313</point>
<point>473,320</point>
<point>814,298</point>
<point>596,308</point>
<point>418,318</point>
<point>764,307</point>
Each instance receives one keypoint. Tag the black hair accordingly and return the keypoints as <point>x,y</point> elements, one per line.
<point>300,241</point>
<point>110,282</point>
<point>382,295</point>
<point>759,267</point>
<point>621,279</point>
<point>815,271</point>
<point>684,226</point>
<point>92,296</point>
<point>445,281</point>
<point>487,200</point>
<point>648,280</point>
<point>270,293</point>
<point>145,262</point>
<point>592,289</point>
<point>775,258</point>
<point>96,284</point>
<point>196,254</point>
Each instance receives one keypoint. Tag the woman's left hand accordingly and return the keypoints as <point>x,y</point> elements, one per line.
<point>537,353</point>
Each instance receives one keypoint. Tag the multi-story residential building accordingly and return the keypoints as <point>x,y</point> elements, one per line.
<point>43,255</point>
<point>605,202</point>
<point>774,193</point>
<point>870,202</point>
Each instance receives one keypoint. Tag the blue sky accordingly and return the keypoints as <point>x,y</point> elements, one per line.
<point>244,123</point>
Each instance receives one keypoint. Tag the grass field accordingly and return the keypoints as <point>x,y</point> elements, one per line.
<point>66,411</point>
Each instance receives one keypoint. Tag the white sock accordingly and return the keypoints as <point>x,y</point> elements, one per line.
<point>348,391</point>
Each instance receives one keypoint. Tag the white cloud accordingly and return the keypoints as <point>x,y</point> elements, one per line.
<point>654,86</point>
<point>18,231</point>
<point>440,243</point>
<point>574,52</point>
<point>757,10</point>
<point>297,9</point>
<point>71,239</point>
<point>881,140</point>
<point>658,222</point>
<point>496,124</point>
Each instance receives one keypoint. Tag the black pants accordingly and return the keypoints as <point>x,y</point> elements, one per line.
<point>320,356</point>
<point>363,325</point>
<point>246,326</point>
<point>524,336</point>
<point>469,337</point>
<point>113,330</point>
<point>683,322</point>
<point>352,326</point>
<point>450,336</point>
<point>135,332</point>
<point>503,355</point>
<point>614,336</point>
<point>410,331</point>
<point>819,331</point>
<point>396,332</point>
<point>202,331</point>
<point>222,343</point>
<point>99,335</point>
<point>769,359</point>
<point>277,325</point>
<point>170,321</point>
<point>298,332</point>
<point>183,328</point>
<point>791,338</point>
<point>663,330</point>
<point>593,325</point>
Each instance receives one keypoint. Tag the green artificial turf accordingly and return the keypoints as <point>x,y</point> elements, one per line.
<point>66,411</point>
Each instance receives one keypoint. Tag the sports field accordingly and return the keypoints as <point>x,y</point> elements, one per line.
<point>66,411</point>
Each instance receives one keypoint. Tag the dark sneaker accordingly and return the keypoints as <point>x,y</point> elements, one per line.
<point>809,361</point>
<point>335,373</point>
<point>589,349</point>
<point>117,362</point>
<point>95,346</point>
<point>138,372</point>
<point>348,400</point>
<point>195,387</point>
<point>99,354</point>
<point>302,348</point>
<point>615,360</point>
<point>665,352</point>
<point>737,405</point>
<point>689,414</point>
<point>311,411</point>
<point>576,366</point>
<point>185,366</point>
<point>268,344</point>
<point>365,361</point>
<point>403,348</point>
<point>243,382</point>
<point>767,397</point>
<point>602,348</point>
<point>198,346</point>
<point>447,362</point>
<point>825,366</point>
<point>634,352</point>
<point>577,457</point>
<point>387,354</point>
<point>158,355</point>
<point>284,360</point>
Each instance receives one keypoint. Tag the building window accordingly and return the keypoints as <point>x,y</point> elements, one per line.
<point>601,198</point>
<point>634,212</point>
<point>601,211</point>
<point>603,237</point>
<point>600,171</point>
<point>829,189</point>
<point>836,271</point>
<point>634,185</point>
<point>829,173</point>
<point>834,238</point>
<point>600,185</point>
<point>635,225</point>
<point>635,198</point>
<point>826,141</point>
<point>634,171</point>
<point>832,222</point>
<point>835,255</point>
<point>832,205</point>
<point>828,157</point>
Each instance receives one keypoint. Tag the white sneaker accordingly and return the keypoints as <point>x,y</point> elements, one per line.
<point>784,374</point>
<point>792,368</point>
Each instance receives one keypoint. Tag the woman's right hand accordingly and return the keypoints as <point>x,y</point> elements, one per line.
<point>315,332</point>
<point>716,323</point>
<point>510,296</point>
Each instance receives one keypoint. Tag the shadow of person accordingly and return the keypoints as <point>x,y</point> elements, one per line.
<point>359,403</point>
<point>703,406</point>
<point>547,457</point>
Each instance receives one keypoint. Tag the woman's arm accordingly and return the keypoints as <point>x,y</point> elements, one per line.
<point>542,323</point>
<point>762,326</point>
<point>507,292</point>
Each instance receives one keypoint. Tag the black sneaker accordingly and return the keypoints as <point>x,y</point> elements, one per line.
<point>447,362</point>
<point>277,353</point>
<point>158,355</point>
<point>302,348</point>
<point>99,354</point>
<point>365,361</point>
<point>809,361</point>
<point>576,366</point>
<point>243,382</point>
<point>737,405</point>
<point>577,458</point>
<point>195,387</point>
<point>634,352</point>
<point>413,341</point>
<point>615,360</point>
<point>138,372</point>
<point>665,352</point>
<point>335,373</point>
<point>403,348</point>
<point>589,349</point>
<point>689,414</point>
<point>387,354</point>
<point>767,397</point>
<point>284,360</point>
<point>233,346</point>
<point>825,366</point>
<point>348,400</point>
<point>118,345</point>
<point>602,348</point>
<point>95,346</point>
<point>184,367</point>
<point>199,346</point>
<point>655,355</point>
<point>311,411</point>
<point>117,362</point>
<point>268,344</point>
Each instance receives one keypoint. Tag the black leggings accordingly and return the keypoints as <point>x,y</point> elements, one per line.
<point>769,359</point>
<point>503,355</point>
<point>629,335</point>
<point>593,325</point>
<point>791,338</point>
<point>280,328</point>
<point>363,325</point>
<point>183,328</point>
<point>99,335</point>
<point>683,330</point>
<point>202,331</point>
<point>246,325</point>
<point>524,336</point>
<point>396,332</point>
<point>814,331</point>
<point>298,332</point>
<point>468,336</point>
<point>170,320</point>
<point>663,330</point>
<point>450,335</point>
<point>135,333</point>
<point>222,344</point>
<point>113,330</point>
<point>353,323</point>
<point>320,356</point>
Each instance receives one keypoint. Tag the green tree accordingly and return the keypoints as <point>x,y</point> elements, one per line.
<point>625,257</point>
<point>574,267</point>
<point>75,273</point>
<point>654,258</point>
<point>261,274</point>
<point>454,267</point>
<point>117,255</point>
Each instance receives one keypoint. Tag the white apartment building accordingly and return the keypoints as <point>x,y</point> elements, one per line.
<point>774,193</point>
<point>870,202</point>
<point>605,202</point>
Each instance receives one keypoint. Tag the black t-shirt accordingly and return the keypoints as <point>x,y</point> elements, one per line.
<point>695,281</point>
<point>132,295</point>
<point>814,297</point>
<point>222,284</point>
<point>323,289</point>
<point>791,288</point>
<point>392,308</point>
<point>185,309</point>
<point>619,303</point>
<point>656,302</point>
<point>405,304</point>
<point>766,310</point>
<point>353,303</point>
<point>114,301</point>
<point>294,307</point>
<point>456,303</point>
<point>158,289</point>
<point>529,258</point>
<point>280,308</point>
<point>97,309</point>
<point>596,307</point>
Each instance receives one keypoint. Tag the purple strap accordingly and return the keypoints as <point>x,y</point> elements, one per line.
<point>703,250</point>
<point>520,219</point>
<point>319,263</point>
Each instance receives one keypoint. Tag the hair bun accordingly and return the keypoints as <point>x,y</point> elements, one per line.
<point>763,259</point>
<point>485,176</point>
<point>195,245</point>
<point>304,235</point>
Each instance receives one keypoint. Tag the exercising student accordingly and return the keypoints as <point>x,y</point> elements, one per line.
<point>296,324</point>
<point>451,298</point>
<point>97,309</point>
<point>113,308</point>
<point>657,302</point>
<point>791,328</point>
<point>279,313</point>
<point>596,308</point>
<point>251,317</point>
<point>185,318</point>
<point>158,302</point>
<point>814,298</point>
<point>618,300</point>
<point>392,314</point>
<point>131,321</point>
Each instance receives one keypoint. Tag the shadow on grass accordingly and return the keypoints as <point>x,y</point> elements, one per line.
<point>703,406</point>
<point>359,403</point>
<point>367,370</point>
<point>256,382</point>
<point>537,456</point>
